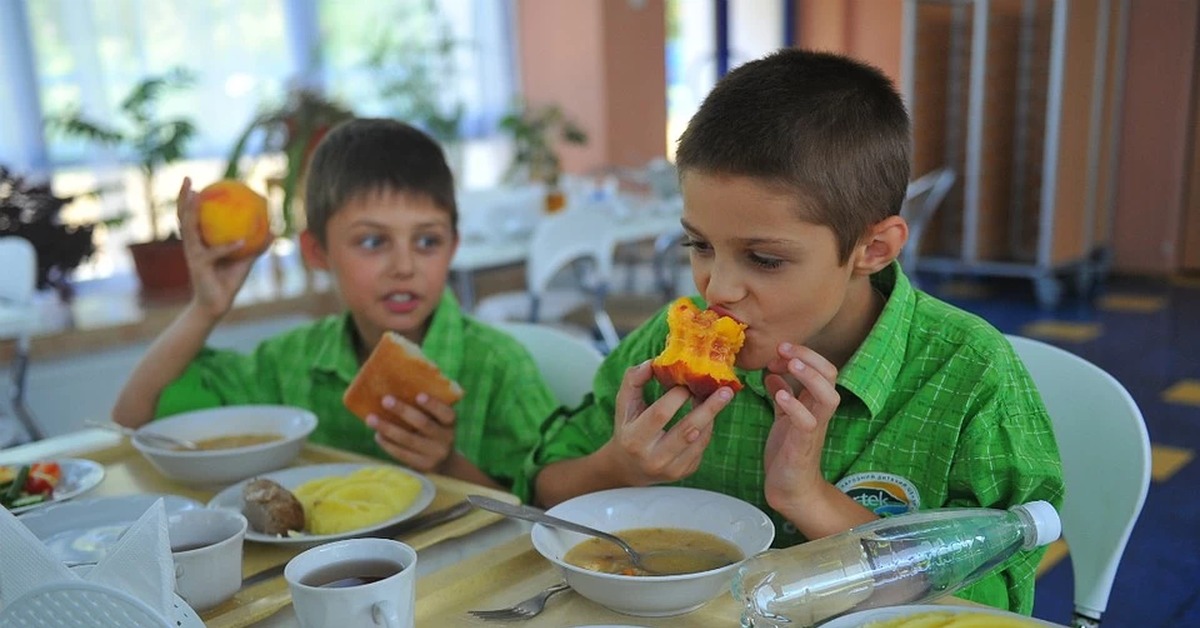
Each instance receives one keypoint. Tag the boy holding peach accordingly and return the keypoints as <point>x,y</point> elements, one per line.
<point>382,220</point>
<point>863,397</point>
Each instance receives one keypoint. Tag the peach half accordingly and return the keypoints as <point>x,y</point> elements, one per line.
<point>230,211</point>
<point>701,349</point>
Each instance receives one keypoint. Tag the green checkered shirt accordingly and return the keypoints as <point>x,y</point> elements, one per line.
<point>311,366</point>
<point>937,411</point>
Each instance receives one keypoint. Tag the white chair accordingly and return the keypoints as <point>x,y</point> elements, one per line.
<point>922,200</point>
<point>566,362</point>
<point>18,319</point>
<point>559,242</point>
<point>1106,465</point>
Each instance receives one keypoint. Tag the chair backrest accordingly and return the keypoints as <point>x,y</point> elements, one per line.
<point>568,363</point>
<point>921,200</point>
<point>19,261</point>
<point>560,239</point>
<point>1106,463</point>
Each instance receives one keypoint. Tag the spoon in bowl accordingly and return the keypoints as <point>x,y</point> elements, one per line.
<point>535,515</point>
<point>169,441</point>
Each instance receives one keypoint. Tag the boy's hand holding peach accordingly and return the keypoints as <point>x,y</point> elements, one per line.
<point>220,267</point>
<point>641,451</point>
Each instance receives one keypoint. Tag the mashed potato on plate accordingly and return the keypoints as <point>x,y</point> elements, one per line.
<point>343,503</point>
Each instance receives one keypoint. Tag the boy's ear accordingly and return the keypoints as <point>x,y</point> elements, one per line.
<point>882,244</point>
<point>312,251</point>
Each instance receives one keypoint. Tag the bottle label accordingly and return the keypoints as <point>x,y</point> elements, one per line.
<point>884,494</point>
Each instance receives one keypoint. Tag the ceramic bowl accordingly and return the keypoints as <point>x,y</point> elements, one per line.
<point>225,466</point>
<point>615,510</point>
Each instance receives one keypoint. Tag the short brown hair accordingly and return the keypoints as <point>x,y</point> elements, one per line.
<point>367,155</point>
<point>831,128</point>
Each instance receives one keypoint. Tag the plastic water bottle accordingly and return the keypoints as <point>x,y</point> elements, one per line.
<point>906,559</point>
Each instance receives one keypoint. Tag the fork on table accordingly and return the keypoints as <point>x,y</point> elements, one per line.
<point>526,609</point>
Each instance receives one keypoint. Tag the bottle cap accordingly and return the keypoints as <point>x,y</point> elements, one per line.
<point>1044,518</point>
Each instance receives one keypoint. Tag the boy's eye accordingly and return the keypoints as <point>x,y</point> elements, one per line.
<point>768,263</point>
<point>370,242</point>
<point>426,242</point>
<point>698,246</point>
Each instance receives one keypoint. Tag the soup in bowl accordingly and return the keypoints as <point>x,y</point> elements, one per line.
<point>234,442</point>
<point>702,535</point>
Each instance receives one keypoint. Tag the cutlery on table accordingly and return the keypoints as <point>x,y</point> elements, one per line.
<point>536,515</point>
<point>422,522</point>
<point>169,441</point>
<point>525,609</point>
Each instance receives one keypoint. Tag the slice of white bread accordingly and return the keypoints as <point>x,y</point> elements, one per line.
<point>399,368</point>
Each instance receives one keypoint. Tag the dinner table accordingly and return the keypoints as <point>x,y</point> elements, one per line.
<point>479,561</point>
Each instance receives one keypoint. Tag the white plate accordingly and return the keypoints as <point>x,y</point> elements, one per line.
<point>292,478</point>
<point>82,530</point>
<point>855,620</point>
<point>78,477</point>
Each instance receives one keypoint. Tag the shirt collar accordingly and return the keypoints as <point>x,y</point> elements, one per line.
<point>871,372</point>
<point>443,341</point>
<point>335,354</point>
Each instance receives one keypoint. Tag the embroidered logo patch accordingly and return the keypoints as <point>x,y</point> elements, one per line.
<point>884,494</point>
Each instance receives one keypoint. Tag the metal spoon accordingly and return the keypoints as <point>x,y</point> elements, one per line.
<point>535,515</point>
<point>170,441</point>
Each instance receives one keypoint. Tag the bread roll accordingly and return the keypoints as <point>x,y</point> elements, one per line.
<point>397,367</point>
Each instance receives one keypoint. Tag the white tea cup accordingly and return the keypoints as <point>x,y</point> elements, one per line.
<point>206,544</point>
<point>355,582</point>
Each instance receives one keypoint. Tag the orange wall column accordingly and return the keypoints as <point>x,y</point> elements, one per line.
<point>868,30</point>
<point>603,62</point>
<point>1152,166</point>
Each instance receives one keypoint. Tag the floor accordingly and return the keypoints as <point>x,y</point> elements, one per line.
<point>1147,335</point>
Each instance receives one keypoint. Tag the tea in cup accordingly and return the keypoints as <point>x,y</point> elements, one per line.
<point>355,582</point>
<point>206,544</point>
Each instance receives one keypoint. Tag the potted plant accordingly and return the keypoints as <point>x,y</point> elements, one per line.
<point>536,133</point>
<point>140,131</point>
<point>293,128</point>
<point>31,211</point>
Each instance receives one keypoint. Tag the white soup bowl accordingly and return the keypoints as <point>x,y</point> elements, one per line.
<point>615,510</point>
<point>226,466</point>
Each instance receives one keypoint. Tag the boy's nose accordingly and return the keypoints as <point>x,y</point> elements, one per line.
<point>724,285</point>
<point>402,263</point>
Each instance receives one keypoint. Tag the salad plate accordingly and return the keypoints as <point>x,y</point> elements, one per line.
<point>77,476</point>
<point>292,478</point>
<point>82,531</point>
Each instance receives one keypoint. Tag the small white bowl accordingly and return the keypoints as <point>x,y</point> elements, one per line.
<point>226,466</point>
<point>615,510</point>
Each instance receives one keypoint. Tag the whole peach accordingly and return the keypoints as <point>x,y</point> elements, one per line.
<point>230,211</point>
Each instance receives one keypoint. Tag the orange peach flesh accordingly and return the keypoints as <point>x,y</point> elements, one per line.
<point>701,349</point>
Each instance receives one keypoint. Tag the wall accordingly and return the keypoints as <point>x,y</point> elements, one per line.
<point>1154,137</point>
<point>603,61</point>
<point>865,29</point>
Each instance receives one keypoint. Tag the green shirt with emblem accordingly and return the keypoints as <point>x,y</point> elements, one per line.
<point>937,411</point>
<point>311,367</point>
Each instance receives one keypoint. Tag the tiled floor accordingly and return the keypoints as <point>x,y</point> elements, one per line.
<point>1147,335</point>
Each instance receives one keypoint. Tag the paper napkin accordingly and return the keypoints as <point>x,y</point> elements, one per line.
<point>140,563</point>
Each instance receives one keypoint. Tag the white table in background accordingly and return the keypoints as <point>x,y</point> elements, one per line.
<point>635,222</point>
